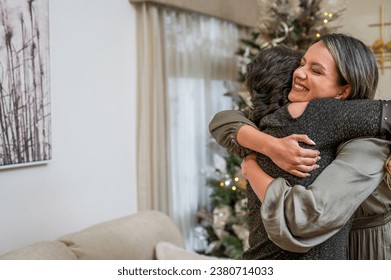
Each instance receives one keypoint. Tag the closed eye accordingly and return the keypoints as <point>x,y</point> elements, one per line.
<point>316,71</point>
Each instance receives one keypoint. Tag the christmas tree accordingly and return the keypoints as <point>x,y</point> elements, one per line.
<point>293,23</point>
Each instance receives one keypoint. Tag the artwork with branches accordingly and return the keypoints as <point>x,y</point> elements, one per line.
<point>25,114</point>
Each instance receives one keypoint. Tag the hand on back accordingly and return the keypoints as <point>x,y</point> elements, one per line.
<point>289,156</point>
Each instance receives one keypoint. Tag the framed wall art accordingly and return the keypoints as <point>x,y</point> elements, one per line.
<point>25,111</point>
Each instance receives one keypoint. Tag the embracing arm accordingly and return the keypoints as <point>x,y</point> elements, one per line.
<point>235,132</point>
<point>259,180</point>
<point>298,218</point>
<point>224,128</point>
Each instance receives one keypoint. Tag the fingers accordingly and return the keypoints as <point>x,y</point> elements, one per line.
<point>303,171</point>
<point>303,152</point>
<point>299,174</point>
<point>306,168</point>
<point>252,156</point>
<point>303,138</point>
<point>307,161</point>
<point>308,153</point>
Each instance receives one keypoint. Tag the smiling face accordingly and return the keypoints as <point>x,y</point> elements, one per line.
<point>316,76</point>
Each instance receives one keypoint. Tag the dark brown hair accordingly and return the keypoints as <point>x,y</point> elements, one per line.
<point>269,79</point>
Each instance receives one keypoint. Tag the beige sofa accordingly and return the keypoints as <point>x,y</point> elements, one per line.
<point>146,235</point>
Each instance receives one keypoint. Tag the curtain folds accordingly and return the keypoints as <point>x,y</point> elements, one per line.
<point>184,60</point>
<point>152,160</point>
<point>243,12</point>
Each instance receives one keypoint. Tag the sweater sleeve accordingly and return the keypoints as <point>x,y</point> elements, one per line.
<point>386,118</point>
<point>346,119</point>
<point>298,218</point>
<point>224,127</point>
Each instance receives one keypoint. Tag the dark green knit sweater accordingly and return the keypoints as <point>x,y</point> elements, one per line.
<point>328,122</point>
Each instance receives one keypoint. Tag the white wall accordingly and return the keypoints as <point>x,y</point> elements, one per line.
<point>92,175</point>
<point>357,17</point>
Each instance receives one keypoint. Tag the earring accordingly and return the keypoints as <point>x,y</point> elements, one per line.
<point>337,95</point>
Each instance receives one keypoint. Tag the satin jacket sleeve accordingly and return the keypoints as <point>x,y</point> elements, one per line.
<point>224,127</point>
<point>298,218</point>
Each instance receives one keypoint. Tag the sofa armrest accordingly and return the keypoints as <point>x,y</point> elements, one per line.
<point>131,237</point>
<point>44,250</point>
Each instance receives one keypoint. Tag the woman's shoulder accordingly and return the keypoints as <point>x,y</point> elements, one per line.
<point>329,106</point>
<point>346,107</point>
<point>338,103</point>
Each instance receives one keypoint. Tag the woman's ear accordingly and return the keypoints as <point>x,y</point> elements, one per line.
<point>344,92</point>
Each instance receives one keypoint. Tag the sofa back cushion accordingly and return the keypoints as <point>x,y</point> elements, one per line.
<point>131,237</point>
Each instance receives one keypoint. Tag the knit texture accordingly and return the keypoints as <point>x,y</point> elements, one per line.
<point>328,122</point>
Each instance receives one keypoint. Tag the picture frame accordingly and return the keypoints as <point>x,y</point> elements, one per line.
<point>25,106</point>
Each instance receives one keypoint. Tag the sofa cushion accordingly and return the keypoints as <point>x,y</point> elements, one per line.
<point>131,237</point>
<point>45,250</point>
<point>169,251</point>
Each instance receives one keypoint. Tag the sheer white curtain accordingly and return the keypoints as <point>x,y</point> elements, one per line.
<point>201,56</point>
<point>198,57</point>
